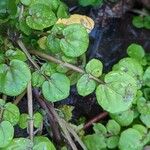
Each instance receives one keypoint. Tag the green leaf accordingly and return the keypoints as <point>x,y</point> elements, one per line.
<point>146,77</point>
<point>40,17</point>
<point>15,54</point>
<point>38,119</point>
<point>23,121</point>
<point>14,77</point>
<point>146,92</point>
<point>74,77</point>
<point>25,2</point>
<point>48,68</point>
<point>57,88</point>
<point>132,67</point>
<point>112,142</point>
<point>113,127</point>
<point>94,67</point>
<point>90,2</point>
<point>37,79</point>
<point>24,27</point>
<point>147,22</point>
<point>145,119</point>
<point>11,113</point>
<point>99,129</point>
<point>138,21</point>
<point>41,142</point>
<point>118,92</point>
<point>62,11</point>
<point>20,144</point>
<point>85,85</point>
<point>143,105</point>
<point>124,118</point>
<point>130,139</point>
<point>136,51</point>
<point>53,44</point>
<point>95,142</point>
<point>53,4</point>
<point>6,133</point>
<point>142,129</point>
<point>75,41</point>
<point>66,112</point>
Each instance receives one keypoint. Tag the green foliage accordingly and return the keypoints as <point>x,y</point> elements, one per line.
<point>113,127</point>
<point>141,22</point>
<point>57,88</point>
<point>40,17</point>
<point>85,85</point>
<point>130,139</point>
<point>124,118</point>
<point>74,44</point>
<point>6,133</point>
<point>14,77</point>
<point>94,67</point>
<point>90,2</point>
<point>58,51</point>
<point>117,93</point>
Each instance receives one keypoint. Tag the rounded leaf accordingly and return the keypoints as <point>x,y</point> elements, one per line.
<point>41,142</point>
<point>117,93</point>
<point>11,113</point>
<point>124,118</point>
<point>23,121</point>
<point>145,119</point>
<point>113,127</point>
<point>6,133</point>
<point>85,85</point>
<point>112,142</point>
<point>146,77</point>
<point>40,17</point>
<point>94,67</point>
<point>20,144</point>
<point>95,142</point>
<point>75,41</point>
<point>130,139</point>
<point>142,129</point>
<point>100,129</point>
<point>136,51</point>
<point>14,78</point>
<point>38,119</point>
<point>37,79</point>
<point>57,88</point>
<point>15,54</point>
<point>132,67</point>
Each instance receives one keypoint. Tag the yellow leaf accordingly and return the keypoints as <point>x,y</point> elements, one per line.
<point>86,21</point>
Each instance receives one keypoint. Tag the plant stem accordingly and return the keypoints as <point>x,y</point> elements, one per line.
<point>19,98</point>
<point>95,119</point>
<point>30,110</point>
<point>21,45</point>
<point>52,121</point>
<point>65,64</point>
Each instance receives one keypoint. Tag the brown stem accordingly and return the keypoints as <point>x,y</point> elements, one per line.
<point>95,119</point>
<point>52,121</point>
<point>65,64</point>
<point>22,46</point>
<point>30,111</point>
